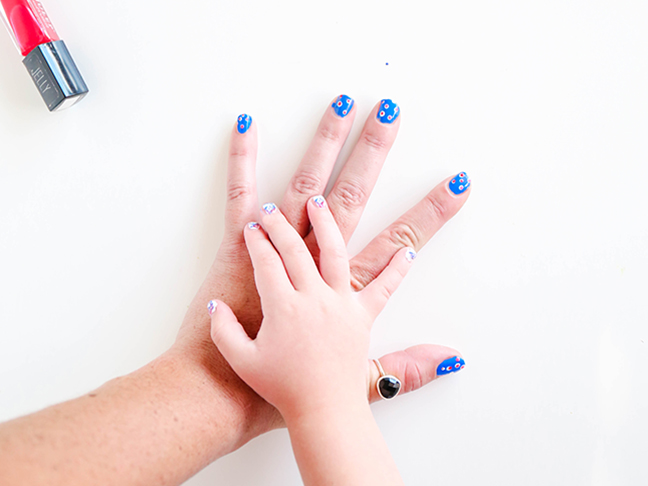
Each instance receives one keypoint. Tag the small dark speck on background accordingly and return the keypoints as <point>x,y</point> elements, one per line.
<point>386,64</point>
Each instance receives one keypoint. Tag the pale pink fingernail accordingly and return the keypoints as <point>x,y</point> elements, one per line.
<point>211,307</point>
<point>254,226</point>
<point>410,255</point>
<point>319,201</point>
<point>269,208</point>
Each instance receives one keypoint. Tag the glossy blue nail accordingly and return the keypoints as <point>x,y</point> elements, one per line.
<point>388,111</point>
<point>243,123</point>
<point>459,183</point>
<point>211,307</point>
<point>451,365</point>
<point>269,208</point>
<point>342,106</point>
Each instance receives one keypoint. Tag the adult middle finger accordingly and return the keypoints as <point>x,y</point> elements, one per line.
<point>315,169</point>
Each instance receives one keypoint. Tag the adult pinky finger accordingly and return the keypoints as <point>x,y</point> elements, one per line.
<point>376,295</point>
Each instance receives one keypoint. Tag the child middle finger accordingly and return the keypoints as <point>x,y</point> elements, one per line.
<point>298,261</point>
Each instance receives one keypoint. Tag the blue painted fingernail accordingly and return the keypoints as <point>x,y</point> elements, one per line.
<point>388,111</point>
<point>410,255</point>
<point>211,307</point>
<point>459,183</point>
<point>243,123</point>
<point>269,208</point>
<point>253,226</point>
<point>319,201</point>
<point>342,106</point>
<point>451,365</point>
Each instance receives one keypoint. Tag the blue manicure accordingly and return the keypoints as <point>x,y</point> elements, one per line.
<point>343,105</point>
<point>243,123</point>
<point>269,208</point>
<point>451,365</point>
<point>459,183</point>
<point>388,111</point>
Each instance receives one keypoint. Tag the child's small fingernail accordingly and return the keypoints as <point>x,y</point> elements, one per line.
<point>451,365</point>
<point>342,106</point>
<point>211,307</point>
<point>253,226</point>
<point>410,255</point>
<point>269,208</point>
<point>388,111</point>
<point>243,123</point>
<point>459,183</point>
<point>319,201</point>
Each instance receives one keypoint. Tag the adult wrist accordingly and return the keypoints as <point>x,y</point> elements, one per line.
<point>214,398</point>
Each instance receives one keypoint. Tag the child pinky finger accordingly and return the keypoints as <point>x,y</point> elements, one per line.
<point>376,295</point>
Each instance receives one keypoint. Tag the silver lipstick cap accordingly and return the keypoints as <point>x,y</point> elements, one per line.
<point>55,75</point>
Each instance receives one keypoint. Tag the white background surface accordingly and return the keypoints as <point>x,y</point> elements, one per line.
<point>111,212</point>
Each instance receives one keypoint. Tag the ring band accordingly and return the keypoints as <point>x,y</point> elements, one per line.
<point>388,386</point>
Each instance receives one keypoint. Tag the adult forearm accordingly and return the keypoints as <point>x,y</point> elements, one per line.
<point>158,425</point>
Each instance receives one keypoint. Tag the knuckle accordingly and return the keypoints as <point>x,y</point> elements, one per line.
<point>300,251</point>
<point>267,259</point>
<point>373,142</point>
<point>239,153</point>
<point>306,183</point>
<point>351,194</point>
<point>329,134</point>
<point>385,292</point>
<point>413,376</point>
<point>402,235</point>
<point>361,276</point>
<point>437,207</point>
<point>236,192</point>
<point>335,252</point>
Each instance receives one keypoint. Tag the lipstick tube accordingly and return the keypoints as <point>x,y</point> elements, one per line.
<point>46,57</point>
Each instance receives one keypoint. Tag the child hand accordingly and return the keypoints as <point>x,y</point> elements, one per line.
<point>311,351</point>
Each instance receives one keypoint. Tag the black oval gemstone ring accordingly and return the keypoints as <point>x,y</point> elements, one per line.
<point>388,386</point>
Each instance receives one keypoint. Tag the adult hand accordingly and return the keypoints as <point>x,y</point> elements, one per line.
<point>231,280</point>
<point>164,422</point>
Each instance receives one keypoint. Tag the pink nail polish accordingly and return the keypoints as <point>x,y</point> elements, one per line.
<point>410,255</point>
<point>211,307</point>
<point>319,201</point>
<point>269,208</point>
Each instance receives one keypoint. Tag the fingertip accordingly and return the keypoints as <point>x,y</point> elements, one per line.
<point>243,123</point>
<point>388,112</point>
<point>451,365</point>
<point>410,254</point>
<point>269,208</point>
<point>212,305</point>
<point>459,184</point>
<point>318,202</point>
<point>343,105</point>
